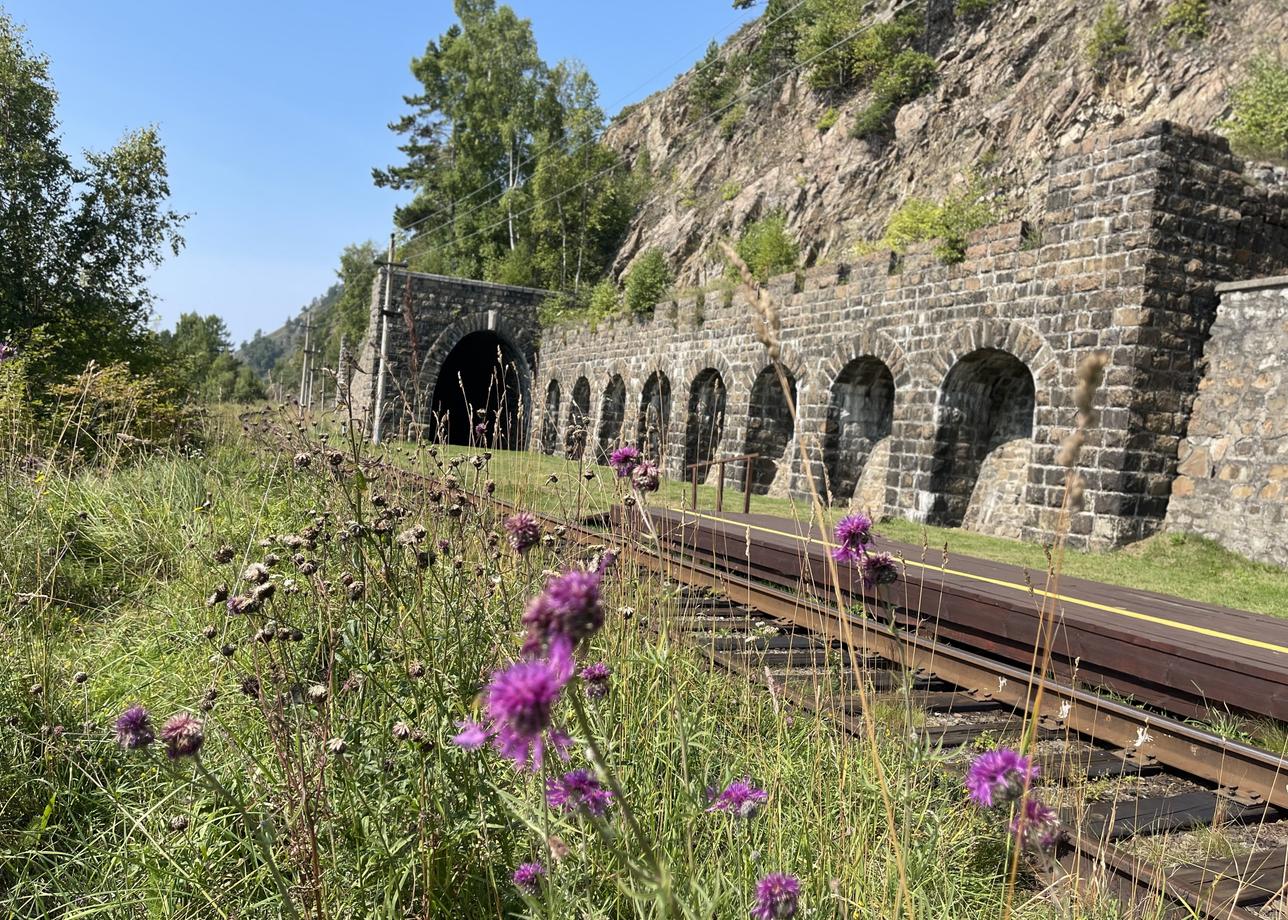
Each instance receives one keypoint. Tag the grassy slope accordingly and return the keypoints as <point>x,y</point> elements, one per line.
<point>1176,564</point>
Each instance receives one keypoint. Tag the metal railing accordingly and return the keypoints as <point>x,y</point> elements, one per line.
<point>748,466</point>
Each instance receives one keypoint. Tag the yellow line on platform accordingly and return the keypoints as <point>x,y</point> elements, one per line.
<point>1065,598</point>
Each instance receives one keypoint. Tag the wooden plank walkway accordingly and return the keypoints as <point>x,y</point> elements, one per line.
<point>1174,653</point>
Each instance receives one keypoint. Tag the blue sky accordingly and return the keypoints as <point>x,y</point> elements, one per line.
<point>273,114</point>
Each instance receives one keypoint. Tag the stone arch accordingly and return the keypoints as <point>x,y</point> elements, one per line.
<point>770,425</point>
<point>575,432</point>
<point>655,416</point>
<point>860,416</point>
<point>550,418</point>
<point>704,423</point>
<point>612,414</point>
<point>1020,340</point>
<point>983,442</point>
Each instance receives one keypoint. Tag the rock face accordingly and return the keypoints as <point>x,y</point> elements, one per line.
<point>1014,87</point>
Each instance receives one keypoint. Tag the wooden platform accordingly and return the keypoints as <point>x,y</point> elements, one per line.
<point>1177,654</point>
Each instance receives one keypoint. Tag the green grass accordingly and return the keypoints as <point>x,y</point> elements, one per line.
<point>1175,564</point>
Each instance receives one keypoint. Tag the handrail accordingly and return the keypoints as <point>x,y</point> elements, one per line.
<point>720,463</point>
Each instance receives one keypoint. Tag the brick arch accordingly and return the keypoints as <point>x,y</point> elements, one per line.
<point>771,426</point>
<point>877,345</point>
<point>694,366</point>
<point>1018,339</point>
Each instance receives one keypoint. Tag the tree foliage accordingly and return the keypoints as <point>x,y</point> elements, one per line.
<point>767,248</point>
<point>77,240</point>
<point>511,183</point>
<point>201,362</point>
<point>1258,122</point>
<point>646,281</point>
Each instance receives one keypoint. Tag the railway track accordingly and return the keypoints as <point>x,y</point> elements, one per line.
<point>1154,778</point>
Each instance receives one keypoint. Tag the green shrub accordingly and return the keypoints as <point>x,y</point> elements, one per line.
<point>647,281</point>
<point>949,221</point>
<point>828,118</point>
<point>729,191</point>
<point>1108,41</point>
<point>730,120</point>
<point>1187,17</point>
<point>822,44</point>
<point>910,74</point>
<point>767,248</point>
<point>876,50</point>
<point>973,9</point>
<point>605,299</point>
<point>1258,122</point>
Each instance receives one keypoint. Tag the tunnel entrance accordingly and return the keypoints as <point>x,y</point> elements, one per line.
<point>655,416</point>
<point>578,420</point>
<point>612,412</point>
<point>982,443</point>
<point>858,418</point>
<point>705,424</point>
<point>770,426</point>
<point>550,420</point>
<point>478,395</point>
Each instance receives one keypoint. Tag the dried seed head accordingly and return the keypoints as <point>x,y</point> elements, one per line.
<point>336,746</point>
<point>80,677</point>
<point>227,650</point>
<point>210,631</point>
<point>217,596</point>
<point>179,823</point>
<point>224,554</point>
<point>416,670</point>
<point>402,731</point>
<point>255,574</point>
<point>318,694</point>
<point>1076,488</point>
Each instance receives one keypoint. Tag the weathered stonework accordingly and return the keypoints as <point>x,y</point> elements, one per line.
<point>449,316</point>
<point>981,356</point>
<point>1232,475</point>
<point>930,391</point>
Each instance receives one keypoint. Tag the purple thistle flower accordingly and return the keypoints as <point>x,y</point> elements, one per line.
<point>594,679</point>
<point>183,736</point>
<point>520,700</point>
<point>524,531</point>
<point>776,896</point>
<point>624,460</point>
<point>878,569</point>
<point>646,477</point>
<point>999,776</point>
<point>527,878</point>
<point>134,728</point>
<point>1036,825</point>
<point>569,608</point>
<point>853,536</point>
<point>578,790</point>
<point>740,798</point>
<point>472,735</point>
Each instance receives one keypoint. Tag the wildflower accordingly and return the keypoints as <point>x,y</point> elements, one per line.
<point>134,728</point>
<point>594,679</point>
<point>318,693</point>
<point>776,896</point>
<point>1036,824</point>
<point>179,823</point>
<point>401,731</point>
<point>999,776</point>
<point>740,798</point>
<point>80,677</point>
<point>569,608</point>
<point>472,735</point>
<point>225,553</point>
<point>336,746</point>
<point>7,351</point>
<point>527,878</point>
<point>578,790</point>
<point>256,573</point>
<point>217,596</point>
<point>416,670</point>
<point>183,736</point>
<point>646,477</point>
<point>878,569</point>
<point>853,536</point>
<point>520,700</point>
<point>624,460</point>
<point>210,631</point>
<point>523,530</point>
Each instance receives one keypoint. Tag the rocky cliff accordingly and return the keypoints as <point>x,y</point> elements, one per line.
<point>1014,85</point>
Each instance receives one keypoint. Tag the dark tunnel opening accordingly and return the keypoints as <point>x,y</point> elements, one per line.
<point>478,395</point>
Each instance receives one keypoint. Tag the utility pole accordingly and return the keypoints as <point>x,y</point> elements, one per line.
<point>305,381</point>
<point>388,264</point>
<point>341,374</point>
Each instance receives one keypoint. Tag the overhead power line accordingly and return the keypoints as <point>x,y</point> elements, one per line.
<point>594,138</point>
<point>619,159</point>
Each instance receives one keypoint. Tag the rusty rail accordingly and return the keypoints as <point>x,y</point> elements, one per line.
<point>746,459</point>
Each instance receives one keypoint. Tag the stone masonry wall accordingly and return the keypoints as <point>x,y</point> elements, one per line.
<point>1232,478</point>
<point>1139,228</point>
<point>443,311</point>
